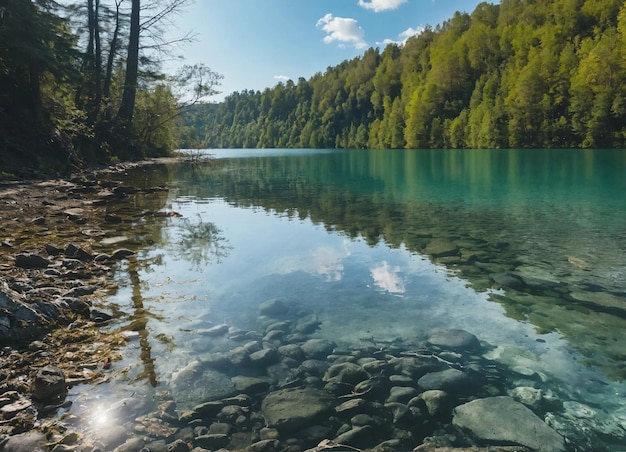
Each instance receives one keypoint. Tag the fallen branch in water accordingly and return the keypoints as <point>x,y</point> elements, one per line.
<point>433,356</point>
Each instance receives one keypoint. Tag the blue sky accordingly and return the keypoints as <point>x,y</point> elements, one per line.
<point>255,44</point>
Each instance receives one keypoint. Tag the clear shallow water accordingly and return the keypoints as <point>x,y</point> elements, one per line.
<point>525,249</point>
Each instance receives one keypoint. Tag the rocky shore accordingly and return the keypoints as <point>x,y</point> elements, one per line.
<point>279,388</point>
<point>57,243</point>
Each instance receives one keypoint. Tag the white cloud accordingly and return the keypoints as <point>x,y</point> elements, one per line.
<point>386,277</point>
<point>344,30</point>
<point>406,34</point>
<point>325,261</point>
<point>282,78</point>
<point>381,5</point>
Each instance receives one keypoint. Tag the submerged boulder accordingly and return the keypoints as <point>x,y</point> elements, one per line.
<point>502,420</point>
<point>289,410</point>
<point>454,339</point>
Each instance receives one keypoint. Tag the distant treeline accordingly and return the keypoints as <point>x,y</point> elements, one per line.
<point>522,73</point>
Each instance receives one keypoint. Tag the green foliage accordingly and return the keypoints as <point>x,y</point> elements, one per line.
<point>520,73</point>
<point>65,94</point>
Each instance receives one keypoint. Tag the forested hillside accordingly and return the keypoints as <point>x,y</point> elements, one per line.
<point>522,73</point>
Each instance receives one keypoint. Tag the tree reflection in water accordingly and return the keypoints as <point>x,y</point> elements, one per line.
<point>200,243</point>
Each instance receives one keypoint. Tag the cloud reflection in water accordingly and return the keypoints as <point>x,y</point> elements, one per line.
<point>386,277</point>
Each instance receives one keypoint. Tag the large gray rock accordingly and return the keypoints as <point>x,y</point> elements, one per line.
<point>31,261</point>
<point>49,384</point>
<point>194,383</point>
<point>454,339</point>
<point>441,248</point>
<point>14,313</point>
<point>273,308</point>
<point>26,442</point>
<point>349,373</point>
<point>289,410</point>
<point>449,380</point>
<point>503,420</point>
<point>317,348</point>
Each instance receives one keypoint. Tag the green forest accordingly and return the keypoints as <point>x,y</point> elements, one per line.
<point>518,74</point>
<point>81,82</point>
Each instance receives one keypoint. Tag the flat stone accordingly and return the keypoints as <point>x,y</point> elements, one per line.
<point>75,213</point>
<point>32,441</point>
<point>264,357</point>
<point>250,385</point>
<point>217,330</point>
<point>211,441</point>
<point>114,240</point>
<point>454,339</point>
<point>32,261</point>
<point>401,394</point>
<point>503,420</point>
<point>347,372</point>
<point>289,410</point>
<point>601,299</point>
<point>122,253</point>
<point>351,406</point>
<point>441,248</point>
<point>450,380</point>
<point>317,348</point>
<point>11,410</point>
<point>537,276</point>
<point>361,437</point>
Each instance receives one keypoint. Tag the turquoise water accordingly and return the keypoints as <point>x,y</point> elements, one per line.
<point>523,248</point>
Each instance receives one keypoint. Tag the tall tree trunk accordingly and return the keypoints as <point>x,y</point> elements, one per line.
<point>86,66</point>
<point>127,107</point>
<point>97,67</point>
<point>106,89</point>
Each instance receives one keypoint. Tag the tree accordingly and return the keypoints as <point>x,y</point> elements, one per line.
<point>127,106</point>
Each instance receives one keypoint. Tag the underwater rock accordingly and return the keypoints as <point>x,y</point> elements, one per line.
<point>531,397</point>
<point>273,308</point>
<point>507,280</point>
<point>217,330</point>
<point>293,351</point>
<point>289,410</point>
<point>441,248</point>
<point>346,372</point>
<point>361,437</point>
<point>212,441</point>
<point>454,339</point>
<point>505,421</point>
<point>250,385</point>
<point>32,441</point>
<point>317,348</point>
<point>401,394</point>
<point>537,276</point>
<point>264,357</point>
<point>121,253</point>
<point>450,380</point>
<point>437,402</point>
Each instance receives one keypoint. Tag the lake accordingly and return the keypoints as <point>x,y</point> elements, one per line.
<point>373,250</point>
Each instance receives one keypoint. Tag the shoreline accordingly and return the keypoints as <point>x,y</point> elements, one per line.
<point>53,279</point>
